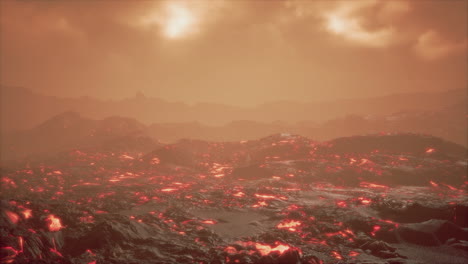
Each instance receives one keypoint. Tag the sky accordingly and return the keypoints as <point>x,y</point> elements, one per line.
<point>235,52</point>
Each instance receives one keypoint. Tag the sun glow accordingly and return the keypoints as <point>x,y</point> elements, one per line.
<point>179,20</point>
<point>337,24</point>
<point>346,22</point>
<point>175,19</point>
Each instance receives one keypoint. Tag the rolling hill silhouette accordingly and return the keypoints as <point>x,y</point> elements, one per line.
<point>22,109</point>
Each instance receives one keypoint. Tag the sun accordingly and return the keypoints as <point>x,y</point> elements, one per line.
<point>173,19</point>
<point>337,24</point>
<point>179,21</point>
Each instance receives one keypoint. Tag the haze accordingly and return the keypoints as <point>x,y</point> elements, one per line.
<point>242,53</point>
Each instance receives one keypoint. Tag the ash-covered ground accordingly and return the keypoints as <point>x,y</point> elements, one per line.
<point>280,199</point>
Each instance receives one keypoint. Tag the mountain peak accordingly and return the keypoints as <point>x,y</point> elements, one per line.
<point>140,95</point>
<point>65,120</point>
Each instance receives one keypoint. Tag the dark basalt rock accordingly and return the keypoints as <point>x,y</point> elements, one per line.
<point>414,212</point>
<point>397,143</point>
<point>397,261</point>
<point>251,172</point>
<point>350,208</point>
<point>463,245</point>
<point>431,233</point>
<point>460,215</point>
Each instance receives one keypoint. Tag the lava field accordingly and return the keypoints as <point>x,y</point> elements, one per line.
<point>280,199</point>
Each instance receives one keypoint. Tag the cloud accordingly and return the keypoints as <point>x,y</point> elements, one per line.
<point>432,46</point>
<point>350,20</point>
<point>177,19</point>
<point>36,20</point>
<point>350,29</point>
<point>231,51</point>
<point>392,10</point>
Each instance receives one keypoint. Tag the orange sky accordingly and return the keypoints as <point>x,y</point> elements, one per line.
<point>234,52</point>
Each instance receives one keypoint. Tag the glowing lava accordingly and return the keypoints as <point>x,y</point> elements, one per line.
<point>289,225</point>
<point>54,223</point>
<point>430,150</point>
<point>375,229</point>
<point>12,217</point>
<point>168,190</point>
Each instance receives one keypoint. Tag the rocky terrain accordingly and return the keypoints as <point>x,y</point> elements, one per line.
<point>397,198</point>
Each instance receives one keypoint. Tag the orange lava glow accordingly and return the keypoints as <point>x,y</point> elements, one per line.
<point>168,190</point>
<point>21,243</point>
<point>12,253</point>
<point>266,249</point>
<point>373,185</point>
<point>230,250</point>
<point>289,225</point>
<point>262,249</point>
<point>27,213</point>
<point>264,196</point>
<point>375,229</point>
<point>364,201</point>
<point>430,150</point>
<point>12,217</point>
<point>126,157</point>
<point>336,255</point>
<point>56,252</point>
<point>259,204</point>
<point>342,204</point>
<point>451,187</point>
<point>54,223</point>
<point>209,222</point>
<point>239,194</point>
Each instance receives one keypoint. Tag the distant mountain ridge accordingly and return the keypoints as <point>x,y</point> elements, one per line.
<point>70,130</point>
<point>23,109</point>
